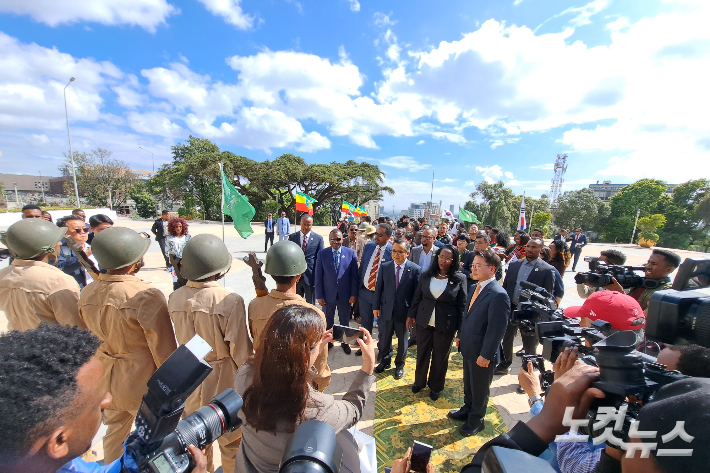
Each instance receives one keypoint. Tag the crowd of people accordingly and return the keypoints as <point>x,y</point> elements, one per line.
<point>81,321</point>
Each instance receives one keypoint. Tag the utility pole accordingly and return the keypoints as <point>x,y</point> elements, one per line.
<point>152,157</point>
<point>41,184</point>
<point>638,212</point>
<point>17,198</point>
<point>110,201</point>
<point>71,154</point>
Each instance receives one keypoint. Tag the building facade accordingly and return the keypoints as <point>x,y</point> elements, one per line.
<point>606,190</point>
<point>372,207</point>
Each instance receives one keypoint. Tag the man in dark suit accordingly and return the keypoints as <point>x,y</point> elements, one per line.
<point>160,230</point>
<point>311,244</point>
<point>577,242</point>
<point>532,269</point>
<point>481,332</point>
<point>373,255</point>
<point>336,281</point>
<point>393,295</point>
<point>269,226</point>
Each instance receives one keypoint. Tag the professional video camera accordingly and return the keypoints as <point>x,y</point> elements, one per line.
<point>161,440</point>
<point>600,275</point>
<point>312,449</point>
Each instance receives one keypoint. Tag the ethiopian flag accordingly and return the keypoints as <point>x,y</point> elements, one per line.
<point>238,207</point>
<point>304,203</point>
<point>347,207</point>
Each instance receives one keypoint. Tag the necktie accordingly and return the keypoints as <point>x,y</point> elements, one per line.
<point>336,260</point>
<point>396,278</point>
<point>373,272</point>
<point>475,295</point>
<point>305,243</point>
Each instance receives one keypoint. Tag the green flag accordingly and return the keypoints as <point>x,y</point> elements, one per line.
<point>238,207</point>
<point>467,216</point>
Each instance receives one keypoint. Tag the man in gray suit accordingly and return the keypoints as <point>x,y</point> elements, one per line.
<point>283,227</point>
<point>393,295</point>
<point>421,256</point>
<point>480,334</point>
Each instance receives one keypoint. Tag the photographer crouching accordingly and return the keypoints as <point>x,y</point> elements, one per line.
<point>51,400</point>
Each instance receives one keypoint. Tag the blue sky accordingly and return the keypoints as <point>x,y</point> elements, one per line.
<point>478,90</point>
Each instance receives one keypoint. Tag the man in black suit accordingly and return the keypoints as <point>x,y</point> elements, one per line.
<point>532,269</point>
<point>269,225</point>
<point>160,230</point>
<point>311,243</point>
<point>481,332</point>
<point>394,292</point>
<point>577,242</point>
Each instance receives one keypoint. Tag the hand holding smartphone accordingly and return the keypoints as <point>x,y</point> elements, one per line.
<point>421,454</point>
<point>345,334</point>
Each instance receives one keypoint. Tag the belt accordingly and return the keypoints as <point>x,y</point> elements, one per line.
<point>124,356</point>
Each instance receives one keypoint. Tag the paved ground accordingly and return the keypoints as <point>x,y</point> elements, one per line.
<point>512,406</point>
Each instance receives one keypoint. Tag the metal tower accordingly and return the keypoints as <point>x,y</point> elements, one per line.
<point>560,169</point>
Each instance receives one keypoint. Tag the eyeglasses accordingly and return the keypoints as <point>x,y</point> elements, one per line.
<point>427,237</point>
<point>446,259</point>
<point>379,234</point>
<point>399,252</point>
<point>81,230</point>
<point>336,239</point>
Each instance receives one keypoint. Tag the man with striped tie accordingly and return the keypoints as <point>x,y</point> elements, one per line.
<point>375,253</point>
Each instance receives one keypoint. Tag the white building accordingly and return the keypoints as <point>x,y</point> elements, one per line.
<point>372,207</point>
<point>415,211</point>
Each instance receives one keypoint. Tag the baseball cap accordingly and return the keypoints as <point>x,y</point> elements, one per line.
<point>620,310</point>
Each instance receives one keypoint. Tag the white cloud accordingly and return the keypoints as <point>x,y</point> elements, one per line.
<point>155,123</point>
<point>384,20</point>
<point>421,142</point>
<point>147,14</point>
<point>230,11</point>
<point>446,180</point>
<point>404,162</point>
<point>508,175</point>
<point>496,143</point>
<point>354,5</point>
<point>410,190</point>
<point>545,167</point>
<point>491,174</point>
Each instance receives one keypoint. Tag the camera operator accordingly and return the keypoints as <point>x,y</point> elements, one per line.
<point>52,398</point>
<point>660,265</point>
<point>686,401</point>
<point>609,257</point>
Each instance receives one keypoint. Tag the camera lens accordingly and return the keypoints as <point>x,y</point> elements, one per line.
<point>209,422</point>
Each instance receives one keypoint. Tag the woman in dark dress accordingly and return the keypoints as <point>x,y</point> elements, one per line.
<point>437,309</point>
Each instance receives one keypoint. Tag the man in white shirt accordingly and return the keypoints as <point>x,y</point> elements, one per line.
<point>311,243</point>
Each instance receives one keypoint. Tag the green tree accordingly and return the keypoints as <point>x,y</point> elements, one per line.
<point>542,220</point>
<point>685,216</point>
<point>647,226</point>
<point>579,208</point>
<point>644,195</point>
<point>145,204</point>
<point>493,204</point>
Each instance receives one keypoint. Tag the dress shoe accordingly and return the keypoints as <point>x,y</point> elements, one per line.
<point>416,389</point>
<point>460,415</point>
<point>399,372</point>
<point>501,369</point>
<point>358,353</point>
<point>467,429</point>
<point>382,366</point>
<point>411,342</point>
<point>434,395</point>
<point>346,348</point>
<point>520,352</point>
<point>520,390</point>
<point>330,346</point>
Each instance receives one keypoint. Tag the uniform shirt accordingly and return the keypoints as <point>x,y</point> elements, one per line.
<point>218,316</point>
<point>525,269</point>
<point>260,311</point>
<point>366,273</point>
<point>34,293</point>
<point>131,318</point>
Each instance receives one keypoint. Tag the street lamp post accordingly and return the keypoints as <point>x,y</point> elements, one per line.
<point>41,184</point>
<point>110,201</point>
<point>71,153</point>
<point>17,198</point>
<point>638,212</point>
<point>151,155</point>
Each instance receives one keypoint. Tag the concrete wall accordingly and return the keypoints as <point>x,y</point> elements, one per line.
<point>7,219</point>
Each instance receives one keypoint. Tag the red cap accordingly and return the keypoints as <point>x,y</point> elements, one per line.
<point>620,310</point>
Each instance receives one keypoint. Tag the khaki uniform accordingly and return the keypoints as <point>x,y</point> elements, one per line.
<point>34,293</point>
<point>260,311</point>
<point>131,318</point>
<point>218,316</point>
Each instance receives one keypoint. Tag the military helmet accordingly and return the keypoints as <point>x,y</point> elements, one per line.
<point>118,247</point>
<point>285,258</point>
<point>204,256</point>
<point>31,237</point>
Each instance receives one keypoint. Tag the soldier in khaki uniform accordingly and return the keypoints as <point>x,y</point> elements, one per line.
<point>33,291</point>
<point>203,307</point>
<point>285,263</point>
<point>131,318</point>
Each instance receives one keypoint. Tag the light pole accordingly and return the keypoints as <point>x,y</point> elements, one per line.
<point>638,212</point>
<point>41,184</point>
<point>110,202</point>
<point>151,155</point>
<point>71,154</point>
<point>17,198</point>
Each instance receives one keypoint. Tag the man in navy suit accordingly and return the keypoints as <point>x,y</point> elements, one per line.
<point>311,244</point>
<point>578,241</point>
<point>373,255</point>
<point>336,281</point>
<point>269,225</point>
<point>394,292</point>
<point>480,334</point>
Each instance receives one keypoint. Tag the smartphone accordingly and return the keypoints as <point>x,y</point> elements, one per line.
<point>343,333</point>
<point>421,453</point>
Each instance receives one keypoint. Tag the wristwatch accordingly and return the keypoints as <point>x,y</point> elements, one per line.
<point>534,399</point>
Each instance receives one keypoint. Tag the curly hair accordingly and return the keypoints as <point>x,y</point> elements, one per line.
<point>453,269</point>
<point>270,402</point>
<point>38,370</point>
<point>562,255</point>
<point>173,222</point>
<point>694,360</point>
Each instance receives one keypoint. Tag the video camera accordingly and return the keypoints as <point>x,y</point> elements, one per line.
<point>600,274</point>
<point>161,440</point>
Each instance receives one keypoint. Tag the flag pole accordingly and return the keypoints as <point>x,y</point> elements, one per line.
<point>221,209</point>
